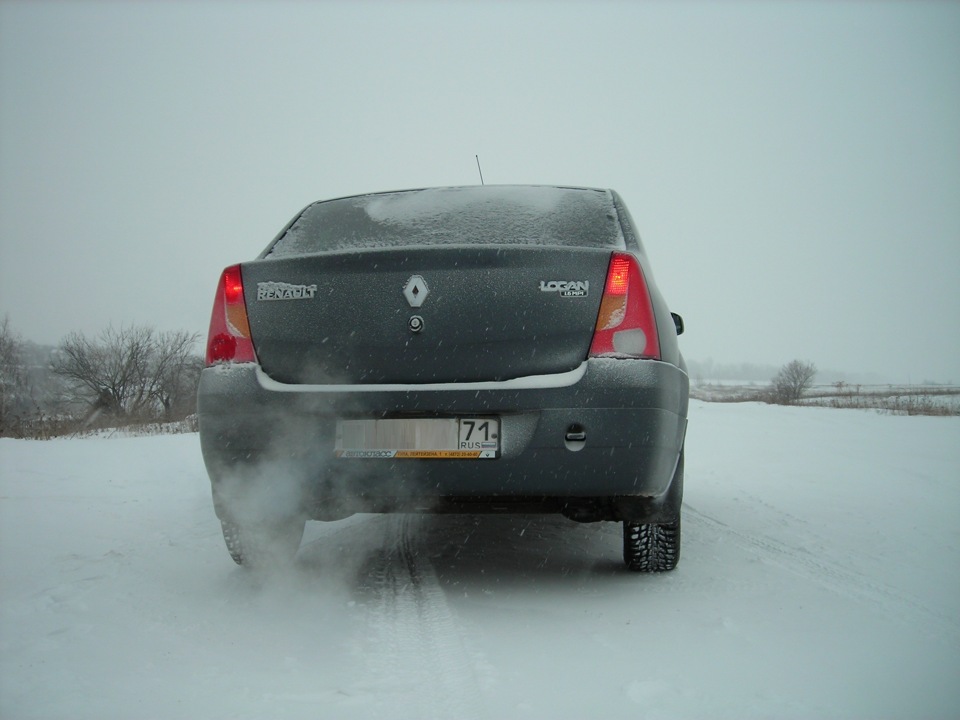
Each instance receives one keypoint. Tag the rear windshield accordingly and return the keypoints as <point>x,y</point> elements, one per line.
<point>500,215</point>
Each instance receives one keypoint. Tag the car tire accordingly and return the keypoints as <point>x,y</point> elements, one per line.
<point>264,545</point>
<point>651,547</point>
<point>655,547</point>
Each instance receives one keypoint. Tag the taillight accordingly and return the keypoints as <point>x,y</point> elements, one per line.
<point>626,326</point>
<point>229,336</point>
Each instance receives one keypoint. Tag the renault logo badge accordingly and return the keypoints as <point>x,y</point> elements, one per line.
<point>416,291</point>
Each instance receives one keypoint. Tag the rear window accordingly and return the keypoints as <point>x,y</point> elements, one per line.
<point>498,215</point>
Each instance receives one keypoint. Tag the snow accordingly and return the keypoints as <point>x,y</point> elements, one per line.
<point>819,578</point>
<point>508,215</point>
<point>415,206</point>
<point>528,382</point>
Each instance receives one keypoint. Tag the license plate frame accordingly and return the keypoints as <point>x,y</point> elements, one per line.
<point>468,437</point>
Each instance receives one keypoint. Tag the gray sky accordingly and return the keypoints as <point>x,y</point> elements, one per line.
<point>794,168</point>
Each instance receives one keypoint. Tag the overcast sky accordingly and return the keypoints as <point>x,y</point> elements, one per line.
<point>794,168</point>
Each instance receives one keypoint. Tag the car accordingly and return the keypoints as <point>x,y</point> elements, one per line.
<point>488,349</point>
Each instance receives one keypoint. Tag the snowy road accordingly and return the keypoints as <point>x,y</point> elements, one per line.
<point>820,577</point>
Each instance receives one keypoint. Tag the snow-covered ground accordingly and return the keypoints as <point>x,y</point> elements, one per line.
<point>820,578</point>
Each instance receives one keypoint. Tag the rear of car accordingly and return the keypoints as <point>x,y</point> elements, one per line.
<point>484,349</point>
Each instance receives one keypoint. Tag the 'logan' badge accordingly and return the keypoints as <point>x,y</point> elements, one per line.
<point>573,288</point>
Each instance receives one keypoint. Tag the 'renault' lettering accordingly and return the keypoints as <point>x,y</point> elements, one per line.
<point>285,291</point>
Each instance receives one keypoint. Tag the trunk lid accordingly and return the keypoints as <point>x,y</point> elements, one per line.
<point>486,313</point>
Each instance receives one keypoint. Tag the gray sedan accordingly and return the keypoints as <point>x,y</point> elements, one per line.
<point>467,350</point>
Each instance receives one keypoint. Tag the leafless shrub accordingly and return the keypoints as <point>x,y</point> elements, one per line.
<point>916,405</point>
<point>10,375</point>
<point>39,426</point>
<point>792,381</point>
<point>927,399</point>
<point>16,395</point>
<point>892,399</point>
<point>916,402</point>
<point>121,378</point>
<point>726,393</point>
<point>130,374</point>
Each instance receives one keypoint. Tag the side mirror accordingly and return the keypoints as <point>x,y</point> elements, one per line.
<point>678,322</point>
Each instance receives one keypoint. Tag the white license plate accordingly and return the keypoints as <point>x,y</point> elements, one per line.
<point>469,438</point>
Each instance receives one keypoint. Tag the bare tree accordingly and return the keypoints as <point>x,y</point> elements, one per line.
<point>175,373</point>
<point>792,381</point>
<point>132,373</point>
<point>14,393</point>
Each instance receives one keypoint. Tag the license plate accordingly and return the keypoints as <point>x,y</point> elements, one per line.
<point>469,438</point>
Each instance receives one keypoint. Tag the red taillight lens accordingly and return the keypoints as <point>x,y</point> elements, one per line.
<point>617,275</point>
<point>229,336</point>
<point>626,326</point>
<point>232,285</point>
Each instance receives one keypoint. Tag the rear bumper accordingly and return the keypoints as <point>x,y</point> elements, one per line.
<point>256,434</point>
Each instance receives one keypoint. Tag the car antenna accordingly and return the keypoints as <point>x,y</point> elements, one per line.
<point>478,168</point>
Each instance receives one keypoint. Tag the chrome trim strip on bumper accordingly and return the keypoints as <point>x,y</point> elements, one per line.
<point>530,382</point>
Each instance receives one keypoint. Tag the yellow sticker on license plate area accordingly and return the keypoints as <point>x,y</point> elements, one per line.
<point>468,438</point>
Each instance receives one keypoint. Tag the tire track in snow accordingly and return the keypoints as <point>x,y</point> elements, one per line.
<point>837,578</point>
<point>415,638</point>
